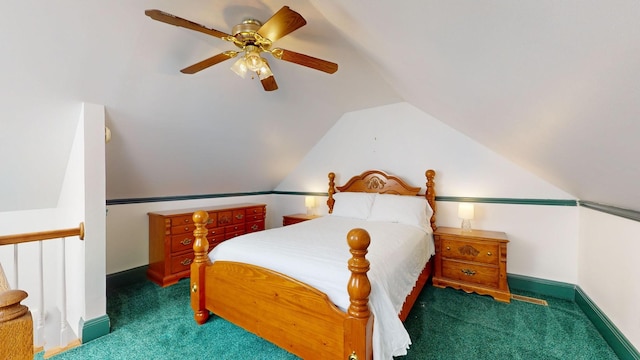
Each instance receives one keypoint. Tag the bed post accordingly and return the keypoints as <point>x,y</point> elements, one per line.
<point>332,190</point>
<point>200,262</point>
<point>359,323</point>
<point>430,194</point>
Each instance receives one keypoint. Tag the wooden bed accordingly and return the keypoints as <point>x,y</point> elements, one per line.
<point>289,313</point>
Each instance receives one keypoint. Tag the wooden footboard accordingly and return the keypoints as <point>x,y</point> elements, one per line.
<point>281,309</point>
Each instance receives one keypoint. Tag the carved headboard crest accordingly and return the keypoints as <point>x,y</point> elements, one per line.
<point>378,181</point>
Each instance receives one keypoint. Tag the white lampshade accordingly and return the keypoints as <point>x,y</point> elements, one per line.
<point>465,212</point>
<point>310,204</point>
<point>309,201</point>
<point>240,67</point>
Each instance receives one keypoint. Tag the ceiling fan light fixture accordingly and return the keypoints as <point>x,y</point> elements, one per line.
<point>252,57</point>
<point>240,67</point>
<point>264,71</point>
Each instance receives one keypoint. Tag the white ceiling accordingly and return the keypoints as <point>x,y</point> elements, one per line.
<point>551,85</point>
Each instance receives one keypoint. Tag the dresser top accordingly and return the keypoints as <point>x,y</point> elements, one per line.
<point>208,208</point>
<point>478,234</point>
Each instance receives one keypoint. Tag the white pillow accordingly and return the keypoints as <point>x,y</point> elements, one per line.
<point>410,210</point>
<point>353,204</point>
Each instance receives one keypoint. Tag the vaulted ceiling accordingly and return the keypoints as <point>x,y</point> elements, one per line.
<point>551,85</point>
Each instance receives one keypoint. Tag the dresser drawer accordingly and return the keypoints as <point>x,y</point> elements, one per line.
<point>215,232</point>
<point>255,226</point>
<point>182,262</point>
<point>182,242</point>
<point>256,213</point>
<point>182,229</point>
<point>238,216</point>
<point>225,218</point>
<point>477,274</point>
<point>486,253</point>
<point>181,220</point>
<point>213,220</point>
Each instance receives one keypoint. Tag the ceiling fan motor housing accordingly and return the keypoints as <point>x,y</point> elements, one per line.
<point>245,31</point>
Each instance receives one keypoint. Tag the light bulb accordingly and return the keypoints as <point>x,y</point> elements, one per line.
<point>253,61</point>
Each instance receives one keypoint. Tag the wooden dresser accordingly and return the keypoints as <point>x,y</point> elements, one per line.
<point>171,236</point>
<point>473,261</point>
<point>296,218</point>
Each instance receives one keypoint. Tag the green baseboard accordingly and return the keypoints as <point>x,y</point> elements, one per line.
<point>618,342</point>
<point>94,328</point>
<point>127,277</point>
<point>555,289</point>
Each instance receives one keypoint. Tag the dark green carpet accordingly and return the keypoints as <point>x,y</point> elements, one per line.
<point>149,322</point>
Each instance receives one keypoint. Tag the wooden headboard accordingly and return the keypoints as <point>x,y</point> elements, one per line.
<point>377,181</point>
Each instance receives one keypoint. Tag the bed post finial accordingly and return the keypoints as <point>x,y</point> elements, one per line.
<point>430,194</point>
<point>359,286</point>
<point>200,262</point>
<point>332,190</point>
<point>360,322</point>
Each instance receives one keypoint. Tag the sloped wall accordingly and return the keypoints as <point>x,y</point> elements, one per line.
<point>403,140</point>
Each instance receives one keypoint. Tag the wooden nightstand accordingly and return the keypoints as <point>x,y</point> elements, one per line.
<point>473,261</point>
<point>296,218</point>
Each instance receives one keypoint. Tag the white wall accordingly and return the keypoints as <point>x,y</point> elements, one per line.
<point>81,199</point>
<point>608,269</point>
<point>405,141</point>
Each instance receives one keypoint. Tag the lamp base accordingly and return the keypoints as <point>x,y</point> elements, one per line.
<point>466,225</point>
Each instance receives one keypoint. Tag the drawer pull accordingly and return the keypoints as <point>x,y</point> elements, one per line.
<point>254,227</point>
<point>185,262</point>
<point>186,221</point>
<point>448,248</point>
<point>185,241</point>
<point>489,253</point>
<point>186,228</point>
<point>239,216</point>
<point>468,272</point>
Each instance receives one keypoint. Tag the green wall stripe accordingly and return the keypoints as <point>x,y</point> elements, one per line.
<point>511,201</point>
<point>94,328</point>
<point>182,197</point>
<point>612,210</point>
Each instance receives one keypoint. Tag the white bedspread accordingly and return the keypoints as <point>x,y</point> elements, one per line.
<point>316,252</point>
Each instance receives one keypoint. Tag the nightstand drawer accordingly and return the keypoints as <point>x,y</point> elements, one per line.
<point>464,250</point>
<point>465,272</point>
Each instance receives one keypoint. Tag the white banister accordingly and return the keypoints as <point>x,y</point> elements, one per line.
<point>44,331</point>
<point>38,331</point>
<point>15,266</point>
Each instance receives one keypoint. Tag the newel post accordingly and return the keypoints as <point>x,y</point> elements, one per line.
<point>359,324</point>
<point>16,326</point>
<point>198,267</point>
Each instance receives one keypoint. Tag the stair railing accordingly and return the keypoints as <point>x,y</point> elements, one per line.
<point>15,319</point>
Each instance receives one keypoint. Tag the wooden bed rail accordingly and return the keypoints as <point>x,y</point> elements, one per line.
<point>237,291</point>
<point>42,235</point>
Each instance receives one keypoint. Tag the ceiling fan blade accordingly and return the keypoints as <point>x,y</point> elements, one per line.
<point>178,21</point>
<point>209,62</point>
<point>284,22</point>
<point>305,60</point>
<point>269,83</point>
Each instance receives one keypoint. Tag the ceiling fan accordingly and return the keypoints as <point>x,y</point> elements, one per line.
<point>253,38</point>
